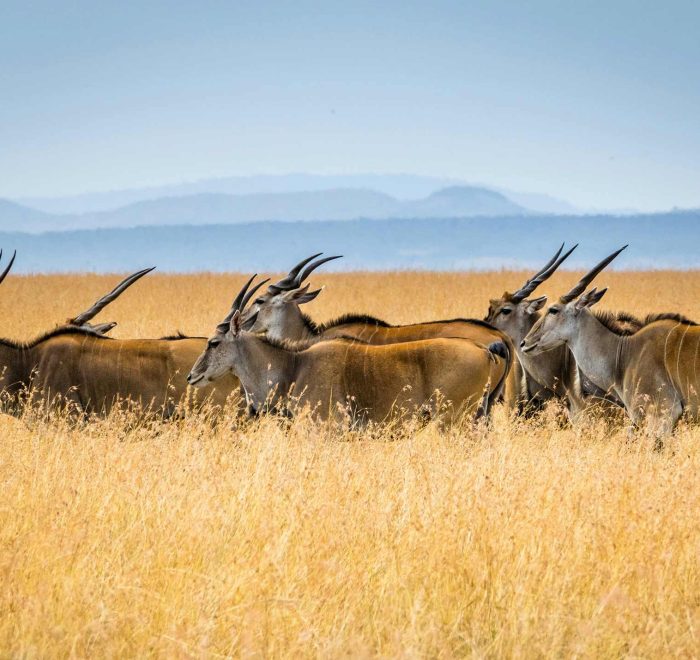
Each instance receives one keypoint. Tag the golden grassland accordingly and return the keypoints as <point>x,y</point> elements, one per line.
<point>125,538</point>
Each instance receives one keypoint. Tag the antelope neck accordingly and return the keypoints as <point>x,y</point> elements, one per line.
<point>598,351</point>
<point>261,367</point>
<point>293,326</point>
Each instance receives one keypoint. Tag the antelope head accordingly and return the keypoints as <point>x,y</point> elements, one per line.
<point>277,310</point>
<point>218,357</point>
<point>515,313</point>
<point>560,324</point>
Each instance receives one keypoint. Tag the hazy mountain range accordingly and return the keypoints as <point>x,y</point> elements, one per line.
<point>376,221</point>
<point>401,186</point>
<point>220,208</point>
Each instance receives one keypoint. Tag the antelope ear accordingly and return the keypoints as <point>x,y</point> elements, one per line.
<point>302,295</point>
<point>308,297</point>
<point>590,298</point>
<point>536,304</point>
<point>236,324</point>
<point>104,328</point>
<point>250,321</point>
<point>293,295</point>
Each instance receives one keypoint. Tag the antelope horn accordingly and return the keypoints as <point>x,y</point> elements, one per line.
<point>239,302</point>
<point>287,283</point>
<point>538,273</point>
<point>9,266</point>
<point>588,278</point>
<point>251,293</point>
<point>110,297</point>
<point>241,294</point>
<point>542,275</point>
<point>312,267</point>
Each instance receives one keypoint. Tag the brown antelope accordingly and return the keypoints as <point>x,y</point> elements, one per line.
<point>344,377</point>
<point>537,379</point>
<point>654,372</point>
<point>90,373</point>
<point>277,314</point>
<point>80,368</point>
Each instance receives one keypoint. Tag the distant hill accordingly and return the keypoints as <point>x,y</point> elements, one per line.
<point>403,187</point>
<point>539,203</point>
<point>216,208</point>
<point>461,201</point>
<point>400,186</point>
<point>17,217</point>
<point>667,240</point>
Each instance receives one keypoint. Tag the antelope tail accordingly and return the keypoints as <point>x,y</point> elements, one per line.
<point>499,349</point>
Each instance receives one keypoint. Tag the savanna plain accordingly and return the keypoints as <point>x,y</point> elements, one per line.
<point>122,537</point>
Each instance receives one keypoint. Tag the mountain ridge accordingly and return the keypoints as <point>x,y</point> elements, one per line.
<point>404,187</point>
<point>219,208</point>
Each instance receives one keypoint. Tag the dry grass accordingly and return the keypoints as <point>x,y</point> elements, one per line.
<point>180,539</point>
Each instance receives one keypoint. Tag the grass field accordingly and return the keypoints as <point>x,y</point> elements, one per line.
<point>126,539</point>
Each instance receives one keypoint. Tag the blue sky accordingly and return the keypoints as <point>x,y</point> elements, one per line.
<point>596,102</point>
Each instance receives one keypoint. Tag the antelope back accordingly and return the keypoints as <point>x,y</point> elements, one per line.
<point>377,381</point>
<point>97,372</point>
<point>669,346</point>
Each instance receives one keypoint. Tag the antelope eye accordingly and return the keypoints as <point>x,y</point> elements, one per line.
<point>553,310</point>
<point>259,301</point>
<point>505,311</point>
<point>214,343</point>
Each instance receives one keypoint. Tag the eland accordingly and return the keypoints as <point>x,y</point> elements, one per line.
<point>278,315</point>
<point>653,372</point>
<point>344,377</point>
<point>76,366</point>
<point>554,374</point>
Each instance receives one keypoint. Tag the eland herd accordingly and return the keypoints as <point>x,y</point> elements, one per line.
<point>359,369</point>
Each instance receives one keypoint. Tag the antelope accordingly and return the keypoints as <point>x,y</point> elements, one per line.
<point>88,372</point>
<point>277,314</point>
<point>554,374</point>
<point>343,377</point>
<point>653,371</point>
<point>78,367</point>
